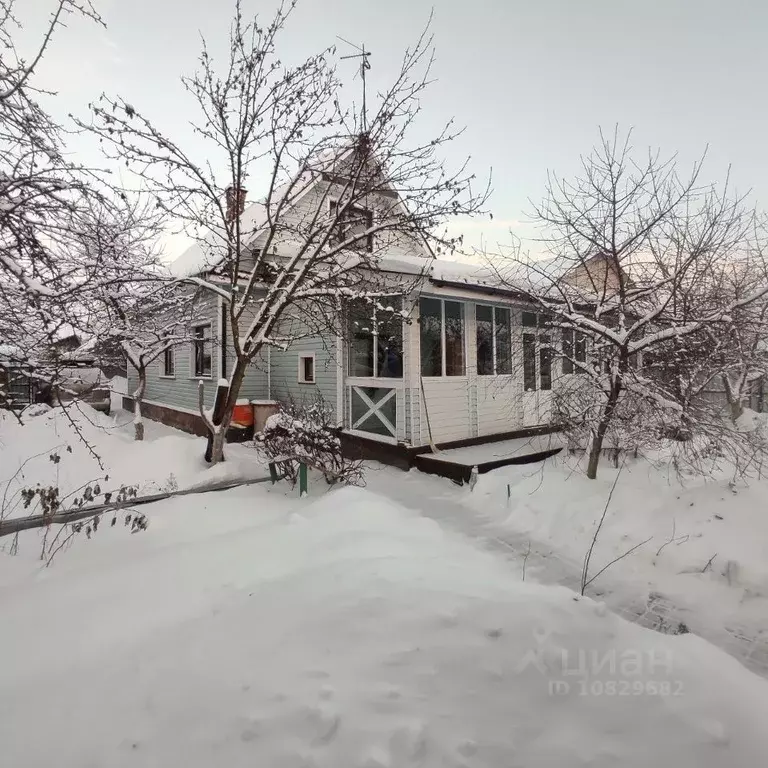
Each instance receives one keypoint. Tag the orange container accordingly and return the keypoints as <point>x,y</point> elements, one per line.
<point>243,414</point>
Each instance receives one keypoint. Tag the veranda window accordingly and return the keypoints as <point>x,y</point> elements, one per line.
<point>375,334</point>
<point>545,363</point>
<point>494,339</point>
<point>442,337</point>
<point>574,351</point>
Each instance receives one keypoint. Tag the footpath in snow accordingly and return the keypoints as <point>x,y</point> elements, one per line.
<point>704,569</point>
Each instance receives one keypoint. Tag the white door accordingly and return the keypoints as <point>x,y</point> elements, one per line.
<point>537,375</point>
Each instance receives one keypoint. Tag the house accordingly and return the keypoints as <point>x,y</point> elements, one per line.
<point>460,358</point>
<point>18,385</point>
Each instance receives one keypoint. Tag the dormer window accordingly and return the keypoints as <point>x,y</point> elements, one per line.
<point>353,221</point>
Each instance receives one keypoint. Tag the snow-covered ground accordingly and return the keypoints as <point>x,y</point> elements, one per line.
<point>251,627</point>
<point>93,448</point>
<point>705,565</point>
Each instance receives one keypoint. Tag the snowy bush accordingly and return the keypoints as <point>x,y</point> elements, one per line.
<point>307,432</point>
<point>698,438</point>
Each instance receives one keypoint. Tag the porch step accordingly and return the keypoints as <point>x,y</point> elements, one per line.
<point>457,463</point>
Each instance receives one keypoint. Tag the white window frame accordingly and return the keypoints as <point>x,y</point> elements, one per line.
<point>375,338</point>
<point>442,301</point>
<point>577,366</point>
<point>494,308</point>
<point>303,356</point>
<point>194,327</point>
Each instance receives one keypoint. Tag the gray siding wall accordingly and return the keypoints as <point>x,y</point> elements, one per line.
<point>390,244</point>
<point>285,371</point>
<point>181,391</point>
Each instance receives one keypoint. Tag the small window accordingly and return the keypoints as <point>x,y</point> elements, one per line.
<point>353,221</point>
<point>307,368</point>
<point>169,362</point>
<point>530,320</point>
<point>201,349</point>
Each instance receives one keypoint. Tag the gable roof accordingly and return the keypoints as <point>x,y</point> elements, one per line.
<point>204,255</point>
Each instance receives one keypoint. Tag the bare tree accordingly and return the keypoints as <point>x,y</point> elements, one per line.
<point>343,186</point>
<point>136,310</point>
<point>629,242</point>
<point>43,196</point>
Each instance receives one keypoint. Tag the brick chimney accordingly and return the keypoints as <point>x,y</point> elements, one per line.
<point>235,197</point>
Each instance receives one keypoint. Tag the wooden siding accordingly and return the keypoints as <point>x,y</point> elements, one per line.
<point>180,391</point>
<point>285,372</point>
<point>391,244</point>
<point>498,403</point>
<point>447,408</point>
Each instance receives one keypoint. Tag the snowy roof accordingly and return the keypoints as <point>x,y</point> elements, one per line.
<point>11,352</point>
<point>85,350</point>
<point>505,275</point>
<point>444,270</point>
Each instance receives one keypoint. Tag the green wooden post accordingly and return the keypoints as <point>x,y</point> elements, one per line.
<point>302,479</point>
<point>272,472</point>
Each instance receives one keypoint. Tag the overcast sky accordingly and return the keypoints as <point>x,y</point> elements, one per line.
<point>532,81</point>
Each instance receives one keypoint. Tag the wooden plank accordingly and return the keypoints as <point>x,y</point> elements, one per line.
<point>17,524</point>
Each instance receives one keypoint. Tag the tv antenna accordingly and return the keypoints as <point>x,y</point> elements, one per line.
<point>364,66</point>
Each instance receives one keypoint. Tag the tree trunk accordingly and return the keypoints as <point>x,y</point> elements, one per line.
<point>735,405</point>
<point>219,437</point>
<point>138,396</point>
<point>596,446</point>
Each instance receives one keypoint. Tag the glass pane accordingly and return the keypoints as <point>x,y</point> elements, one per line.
<point>389,326</point>
<point>309,369</point>
<point>454,338</point>
<point>431,340</point>
<point>206,358</point>
<point>360,338</point>
<point>581,348</point>
<point>503,341</point>
<point>372,423</point>
<point>202,349</point>
<point>529,362</point>
<point>529,319</point>
<point>355,222</point>
<point>545,365</point>
<point>567,350</point>
<point>484,322</point>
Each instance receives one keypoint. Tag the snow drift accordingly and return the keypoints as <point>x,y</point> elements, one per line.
<point>248,629</point>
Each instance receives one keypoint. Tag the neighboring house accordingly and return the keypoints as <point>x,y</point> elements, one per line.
<point>18,386</point>
<point>461,358</point>
<point>66,371</point>
<point>598,275</point>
